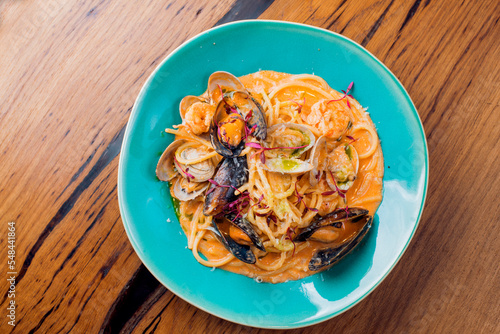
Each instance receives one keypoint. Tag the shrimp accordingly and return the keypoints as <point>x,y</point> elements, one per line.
<point>198,117</point>
<point>327,118</point>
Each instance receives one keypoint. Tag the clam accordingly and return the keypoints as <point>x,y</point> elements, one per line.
<point>237,234</point>
<point>184,158</point>
<point>289,142</point>
<point>290,135</point>
<point>340,165</point>
<point>189,158</point>
<point>291,166</point>
<point>185,191</point>
<point>165,170</point>
<point>317,160</point>
<point>222,82</point>
<point>231,173</point>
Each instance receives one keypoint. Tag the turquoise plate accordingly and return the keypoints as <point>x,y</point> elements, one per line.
<point>240,48</point>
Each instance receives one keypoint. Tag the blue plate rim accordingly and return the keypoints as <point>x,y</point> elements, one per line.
<point>133,116</point>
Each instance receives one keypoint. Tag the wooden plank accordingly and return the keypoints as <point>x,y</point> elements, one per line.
<point>69,74</point>
<point>66,112</point>
<point>423,288</point>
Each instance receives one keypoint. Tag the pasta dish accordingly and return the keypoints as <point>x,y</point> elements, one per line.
<point>275,176</point>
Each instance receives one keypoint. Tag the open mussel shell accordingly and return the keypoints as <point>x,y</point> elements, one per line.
<point>245,104</point>
<point>187,102</point>
<point>332,219</point>
<point>290,166</point>
<point>231,173</point>
<point>329,256</point>
<point>241,252</point>
<point>165,169</point>
<point>225,82</point>
<point>225,149</point>
<point>247,228</point>
<point>291,135</point>
<point>185,191</point>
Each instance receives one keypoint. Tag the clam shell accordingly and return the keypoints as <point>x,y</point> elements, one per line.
<point>318,164</point>
<point>187,102</point>
<point>276,129</point>
<point>201,171</point>
<point>291,166</point>
<point>348,184</point>
<point>224,80</point>
<point>165,170</point>
<point>181,193</point>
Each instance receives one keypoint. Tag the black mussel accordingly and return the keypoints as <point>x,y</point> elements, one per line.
<point>227,130</point>
<point>244,226</point>
<point>231,173</point>
<point>334,218</point>
<point>241,252</point>
<point>252,112</point>
<point>236,116</point>
<point>329,256</point>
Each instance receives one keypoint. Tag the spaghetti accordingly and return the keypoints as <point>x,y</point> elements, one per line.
<point>321,154</point>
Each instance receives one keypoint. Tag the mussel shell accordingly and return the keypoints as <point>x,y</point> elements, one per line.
<point>331,219</point>
<point>232,172</point>
<point>329,256</point>
<point>247,228</point>
<point>223,149</point>
<point>257,120</point>
<point>241,252</point>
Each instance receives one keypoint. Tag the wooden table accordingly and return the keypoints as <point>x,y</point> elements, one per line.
<point>69,74</point>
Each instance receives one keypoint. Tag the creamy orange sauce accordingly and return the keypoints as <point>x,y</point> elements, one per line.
<point>366,191</point>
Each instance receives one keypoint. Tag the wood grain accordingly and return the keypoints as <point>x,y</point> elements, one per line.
<point>69,74</point>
